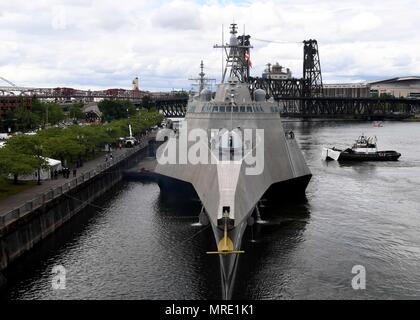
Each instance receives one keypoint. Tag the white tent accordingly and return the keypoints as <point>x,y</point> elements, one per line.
<point>4,136</point>
<point>45,173</point>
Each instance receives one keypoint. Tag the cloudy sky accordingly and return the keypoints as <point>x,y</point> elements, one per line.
<point>106,43</point>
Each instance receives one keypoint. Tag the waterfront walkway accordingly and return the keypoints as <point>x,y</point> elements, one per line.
<point>21,198</point>
<point>11,208</point>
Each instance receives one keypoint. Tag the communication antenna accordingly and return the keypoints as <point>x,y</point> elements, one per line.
<point>237,55</point>
<point>202,80</point>
<point>277,41</point>
<point>223,53</point>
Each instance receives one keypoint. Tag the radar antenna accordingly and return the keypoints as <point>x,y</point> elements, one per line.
<point>238,60</point>
<point>202,80</point>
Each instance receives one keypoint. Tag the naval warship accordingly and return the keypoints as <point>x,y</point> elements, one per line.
<point>244,156</point>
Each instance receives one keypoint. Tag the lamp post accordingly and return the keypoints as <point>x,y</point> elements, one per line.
<point>109,131</point>
<point>80,139</point>
<point>38,150</point>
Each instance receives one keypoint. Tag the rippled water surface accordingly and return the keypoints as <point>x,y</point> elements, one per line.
<point>134,247</point>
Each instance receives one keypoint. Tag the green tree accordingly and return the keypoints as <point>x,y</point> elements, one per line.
<point>47,112</point>
<point>76,111</point>
<point>9,121</point>
<point>65,148</point>
<point>15,163</point>
<point>146,102</point>
<point>25,119</point>
<point>181,93</point>
<point>116,109</point>
<point>23,155</point>
<point>55,113</point>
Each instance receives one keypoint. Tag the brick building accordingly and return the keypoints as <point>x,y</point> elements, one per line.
<point>12,103</point>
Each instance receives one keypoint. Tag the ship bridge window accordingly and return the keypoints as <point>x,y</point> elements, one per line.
<point>228,109</point>
<point>215,109</point>
<point>222,109</point>
<point>242,109</point>
<point>235,109</point>
<point>248,109</point>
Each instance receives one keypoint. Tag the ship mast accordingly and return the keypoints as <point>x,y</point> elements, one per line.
<point>237,55</point>
<point>202,80</point>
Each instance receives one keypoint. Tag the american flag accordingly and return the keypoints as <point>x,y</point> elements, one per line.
<point>247,59</point>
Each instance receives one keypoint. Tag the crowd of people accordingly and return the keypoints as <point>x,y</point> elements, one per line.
<point>64,172</point>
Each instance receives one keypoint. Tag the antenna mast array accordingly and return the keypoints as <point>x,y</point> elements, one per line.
<point>202,80</point>
<point>238,55</point>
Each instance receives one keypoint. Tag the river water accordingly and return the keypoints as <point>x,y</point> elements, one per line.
<point>132,246</point>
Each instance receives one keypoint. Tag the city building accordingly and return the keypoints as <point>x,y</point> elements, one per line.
<point>276,72</point>
<point>349,90</point>
<point>8,103</point>
<point>402,87</point>
<point>136,84</point>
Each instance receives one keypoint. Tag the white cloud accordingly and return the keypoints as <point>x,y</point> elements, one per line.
<point>104,43</point>
<point>178,15</point>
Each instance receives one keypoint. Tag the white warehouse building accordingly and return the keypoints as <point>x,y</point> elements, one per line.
<point>402,87</point>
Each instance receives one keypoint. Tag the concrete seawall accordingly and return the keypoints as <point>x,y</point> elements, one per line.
<point>23,228</point>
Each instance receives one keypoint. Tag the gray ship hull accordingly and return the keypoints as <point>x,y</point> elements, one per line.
<point>245,156</point>
<point>284,174</point>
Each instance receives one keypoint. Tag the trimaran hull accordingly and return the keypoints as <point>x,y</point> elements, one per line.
<point>238,173</point>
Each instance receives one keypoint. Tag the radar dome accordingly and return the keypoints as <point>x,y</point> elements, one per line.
<point>260,95</point>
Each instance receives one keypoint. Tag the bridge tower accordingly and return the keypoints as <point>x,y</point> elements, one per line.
<point>312,77</point>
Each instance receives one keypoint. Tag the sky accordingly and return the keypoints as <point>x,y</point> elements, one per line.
<point>107,43</point>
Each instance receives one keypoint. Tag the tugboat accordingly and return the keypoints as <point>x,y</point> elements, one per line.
<point>364,149</point>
